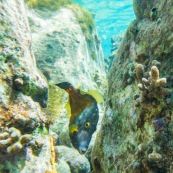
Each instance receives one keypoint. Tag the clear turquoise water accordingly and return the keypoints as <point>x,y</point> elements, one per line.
<point>112,17</point>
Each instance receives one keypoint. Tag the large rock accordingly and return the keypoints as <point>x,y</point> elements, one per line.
<point>18,65</point>
<point>136,132</point>
<point>24,142</point>
<point>61,49</point>
<point>78,163</point>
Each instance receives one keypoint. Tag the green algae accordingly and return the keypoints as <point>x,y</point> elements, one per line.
<point>48,4</point>
<point>55,102</point>
<point>85,20</point>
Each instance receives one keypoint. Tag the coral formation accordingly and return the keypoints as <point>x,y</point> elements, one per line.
<point>152,89</point>
<point>13,141</point>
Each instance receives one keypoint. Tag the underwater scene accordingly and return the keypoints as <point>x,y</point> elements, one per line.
<point>86,86</point>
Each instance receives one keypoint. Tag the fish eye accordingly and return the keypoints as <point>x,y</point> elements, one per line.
<point>87,125</point>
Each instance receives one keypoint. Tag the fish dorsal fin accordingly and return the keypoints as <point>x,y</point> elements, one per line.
<point>98,97</point>
<point>67,106</point>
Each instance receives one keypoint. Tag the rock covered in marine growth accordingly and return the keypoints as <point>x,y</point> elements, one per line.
<point>78,163</point>
<point>23,91</point>
<point>136,131</point>
<point>17,61</point>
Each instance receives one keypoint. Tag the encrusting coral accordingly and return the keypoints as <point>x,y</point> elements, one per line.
<point>17,126</point>
<point>13,141</point>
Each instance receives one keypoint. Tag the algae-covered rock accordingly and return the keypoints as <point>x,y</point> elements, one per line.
<point>135,131</point>
<point>62,166</point>
<point>23,93</point>
<point>18,67</point>
<point>78,163</point>
<point>66,47</point>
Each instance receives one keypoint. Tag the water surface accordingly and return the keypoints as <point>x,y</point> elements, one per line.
<point>112,17</point>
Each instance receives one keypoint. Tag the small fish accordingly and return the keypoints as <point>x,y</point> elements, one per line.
<point>84,115</point>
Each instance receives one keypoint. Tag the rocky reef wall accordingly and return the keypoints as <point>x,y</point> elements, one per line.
<point>136,131</point>
<point>23,93</point>
<point>33,121</point>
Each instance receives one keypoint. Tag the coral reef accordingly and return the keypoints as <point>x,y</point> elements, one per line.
<point>58,44</point>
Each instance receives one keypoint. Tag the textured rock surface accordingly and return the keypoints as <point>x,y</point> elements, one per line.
<point>136,132</point>
<point>25,144</point>
<point>115,43</point>
<point>78,163</point>
<point>17,59</point>
<point>23,90</point>
<point>61,49</point>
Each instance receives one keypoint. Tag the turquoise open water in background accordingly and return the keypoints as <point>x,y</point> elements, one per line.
<point>112,17</point>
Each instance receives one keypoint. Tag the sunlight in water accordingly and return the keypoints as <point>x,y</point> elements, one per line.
<point>112,18</point>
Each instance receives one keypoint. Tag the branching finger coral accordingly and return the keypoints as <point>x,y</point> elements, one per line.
<point>153,99</point>
<point>151,88</point>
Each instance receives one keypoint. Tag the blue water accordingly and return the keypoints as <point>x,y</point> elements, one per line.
<point>112,17</point>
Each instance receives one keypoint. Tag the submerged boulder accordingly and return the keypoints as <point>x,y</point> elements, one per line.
<point>78,163</point>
